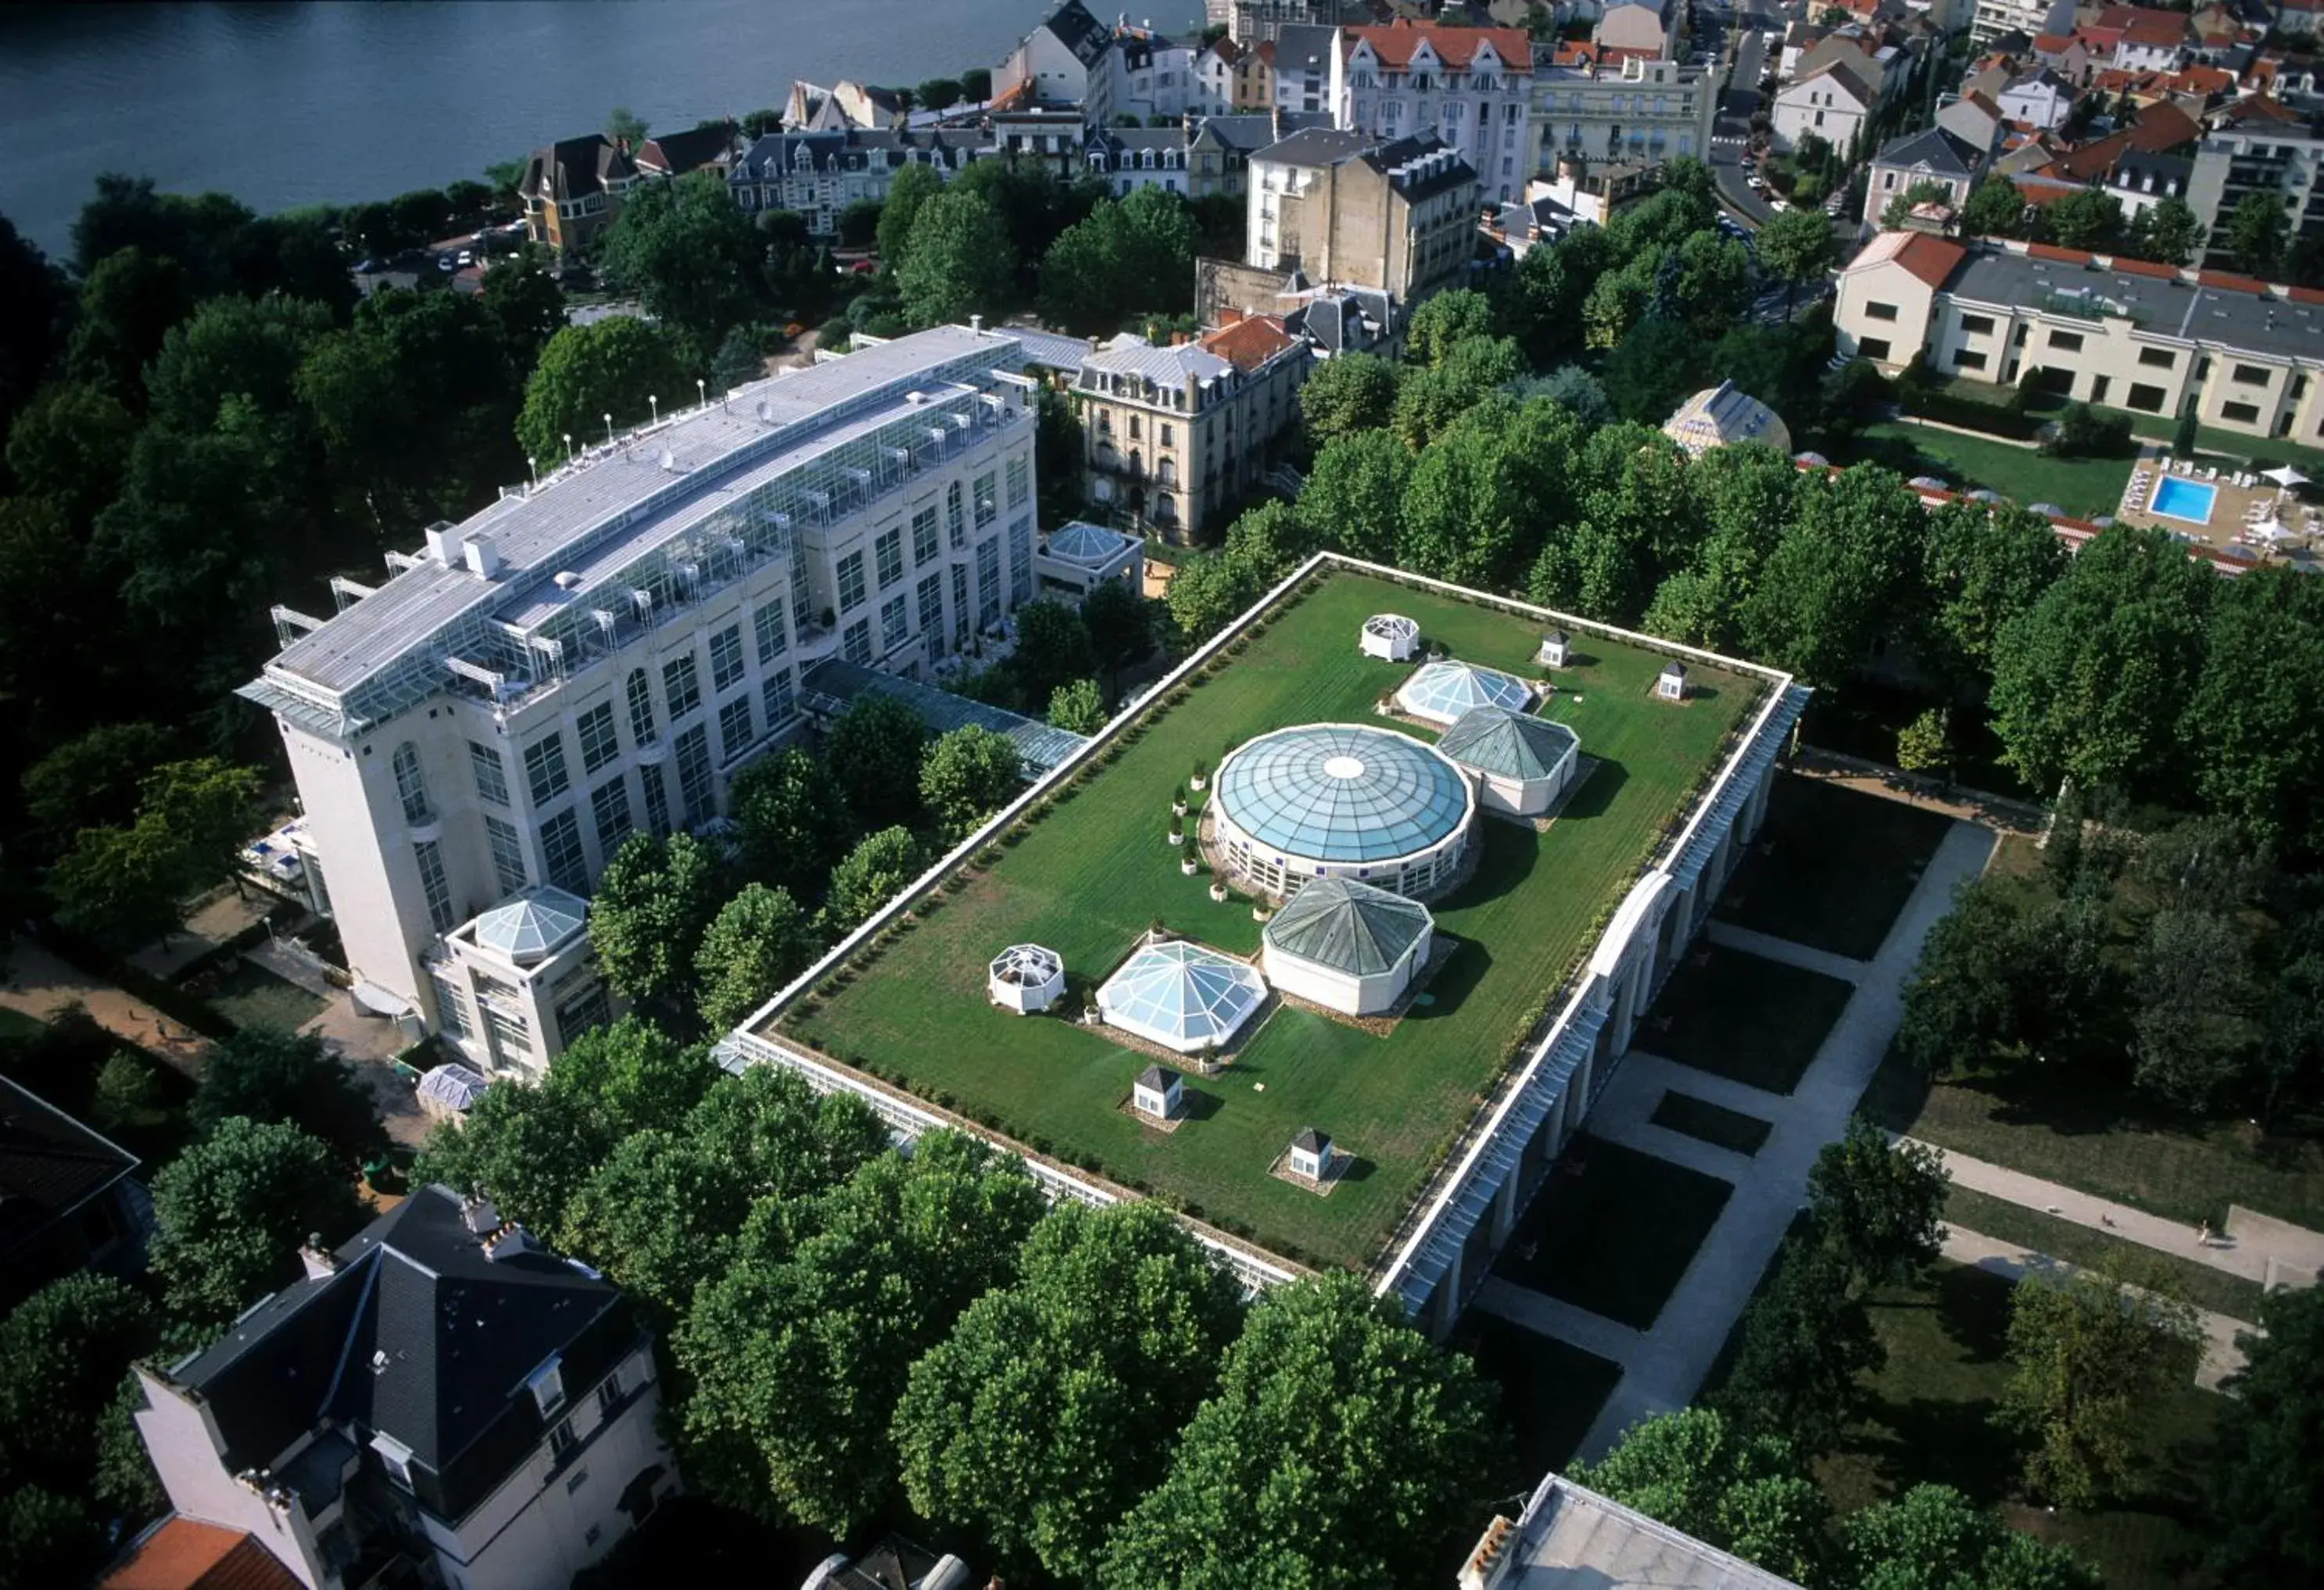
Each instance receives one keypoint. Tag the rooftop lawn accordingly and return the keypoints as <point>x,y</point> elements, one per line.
<point>1091,874</point>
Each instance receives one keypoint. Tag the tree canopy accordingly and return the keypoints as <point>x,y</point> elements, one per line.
<point>233,1209</point>
<point>271,1074</point>
<point>609,366</point>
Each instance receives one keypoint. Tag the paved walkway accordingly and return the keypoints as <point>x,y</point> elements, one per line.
<point>2221,1355</point>
<point>1667,1366</point>
<point>1538,1312</point>
<point>1728,936</point>
<point>40,985</point>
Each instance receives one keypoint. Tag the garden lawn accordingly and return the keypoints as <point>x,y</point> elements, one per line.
<point>1093,873</point>
<point>249,995</point>
<point>1928,1420</point>
<point>1715,1124</point>
<point>1615,1231</point>
<point>1743,1017</point>
<point>1551,1392</point>
<point>2004,1221</point>
<point>1833,866</point>
<point>2086,487</point>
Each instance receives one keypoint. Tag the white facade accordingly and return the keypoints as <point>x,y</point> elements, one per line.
<point>1471,86</point>
<point>2040,101</point>
<point>1389,636</point>
<point>1832,103</point>
<point>1641,111</point>
<point>1343,991</point>
<point>1996,17</point>
<point>512,1007</point>
<point>599,655</point>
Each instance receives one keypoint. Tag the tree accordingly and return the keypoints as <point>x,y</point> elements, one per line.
<point>800,1348</point>
<point>1137,255</point>
<point>1205,592</point>
<point>1653,368</point>
<point>859,223</point>
<point>126,306</point>
<point>2088,1356</point>
<point>269,1073</point>
<point>625,126</point>
<point>1345,394</point>
<point>976,84</point>
<point>938,93</point>
<point>2268,1483</point>
<point>92,779</point>
<point>1840,578</point>
<point>1443,323</point>
<point>1053,645</point>
<point>1268,541</point>
<point>46,1539</point>
<point>1354,496</point>
<point>1925,746</point>
<point>1576,391</point>
<point>694,259</point>
<point>232,1211</point>
<point>1429,399</point>
<point>128,1093</point>
<point>2086,218</point>
<point>958,261</point>
<point>913,186</point>
<point>1806,1338</point>
<point>2168,231</point>
<point>1899,210</point>
<point>789,824</point>
<point>1281,1477</point>
<point>2256,231</point>
<point>2196,1030</point>
<point>760,940</point>
<point>62,1351</point>
<point>1053,1405</point>
<point>1471,503</point>
<point>738,361</point>
<point>523,295</point>
<point>232,349</point>
<point>1121,624</point>
<point>35,290</point>
<point>651,908</point>
<point>1796,247</point>
<point>2258,737</point>
<point>1995,208</point>
<point>71,443</point>
<point>967,775</point>
<point>609,366</point>
<point>124,1480</point>
<point>1934,1538</point>
<point>873,753</point>
<point>2081,432</point>
<point>1983,567</point>
<point>1740,1492</point>
<point>126,883</point>
<point>1077,708</point>
<point>873,874</point>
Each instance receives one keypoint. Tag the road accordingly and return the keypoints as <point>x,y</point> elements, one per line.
<point>1731,127</point>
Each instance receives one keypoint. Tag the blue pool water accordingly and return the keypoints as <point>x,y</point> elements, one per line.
<point>2179,498</point>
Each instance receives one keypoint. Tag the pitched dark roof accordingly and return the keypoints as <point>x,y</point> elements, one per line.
<point>1932,147</point>
<point>1079,32</point>
<point>1310,1140</point>
<point>680,153</point>
<point>574,168</point>
<point>1158,1077</point>
<point>419,1337</point>
<point>50,1166</point>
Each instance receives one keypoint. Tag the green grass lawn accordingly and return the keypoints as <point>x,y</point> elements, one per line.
<point>1614,1231</point>
<point>1551,1392</point>
<point>1715,1124</point>
<point>1928,1420</point>
<point>2205,1287</point>
<point>1091,874</point>
<point>1833,866</point>
<point>2086,487</point>
<point>249,995</point>
<point>1743,1017</point>
<point>17,1024</point>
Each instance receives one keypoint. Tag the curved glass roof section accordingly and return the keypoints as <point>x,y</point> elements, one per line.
<point>538,922</point>
<point>1513,745</point>
<point>1447,690</point>
<point>1182,995</point>
<point>1348,926</point>
<point>1343,792</point>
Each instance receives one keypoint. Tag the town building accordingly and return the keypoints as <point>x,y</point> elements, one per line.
<point>596,654</point>
<point>1471,86</point>
<point>1254,79</point>
<point>1647,27</point>
<point>1998,19</point>
<point>713,148</point>
<point>1569,1538</point>
<point>2040,99</point>
<point>1053,64</point>
<point>1634,110</point>
<point>1306,68</point>
<point>1259,22</point>
<point>1341,208</point>
<point>2257,146</point>
<point>439,1400</point>
<point>1175,436</point>
<point>572,190</point>
<point>1933,155</point>
<point>817,175</point>
<point>69,1198</point>
<point>1212,92</point>
<point>1973,118</point>
<point>1832,102</point>
<point>2124,333</point>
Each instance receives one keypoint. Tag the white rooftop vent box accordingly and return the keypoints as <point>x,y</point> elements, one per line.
<point>1671,683</point>
<point>443,542</point>
<point>568,580</point>
<point>1557,646</point>
<point>483,557</point>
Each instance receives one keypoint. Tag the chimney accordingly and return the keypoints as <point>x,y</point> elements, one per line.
<point>507,1242</point>
<point>976,322</point>
<point>1489,1564</point>
<point>320,1262</point>
<point>441,542</point>
<point>478,1215</point>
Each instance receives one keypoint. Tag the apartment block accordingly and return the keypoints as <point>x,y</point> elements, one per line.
<point>2256,147</point>
<point>1472,87</point>
<point>597,654</point>
<point>1341,208</point>
<point>1630,111</point>
<point>817,175</point>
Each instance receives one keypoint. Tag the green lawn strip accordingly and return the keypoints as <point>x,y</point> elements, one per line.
<point>2085,487</point>
<point>250,995</point>
<point>1091,875</point>
<point>1998,1218</point>
<point>1833,866</point>
<point>1715,1124</point>
<point>1928,1421</point>
<point>2164,427</point>
<point>17,1024</point>
<point>1551,1392</point>
<point>1615,1231</point>
<point>1743,1017</point>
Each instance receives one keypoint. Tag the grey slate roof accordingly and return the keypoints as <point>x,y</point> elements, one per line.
<point>2165,309</point>
<point>1311,1140</point>
<point>1348,926</point>
<point>1298,45</point>
<point>1932,147</point>
<point>1316,146</point>
<point>1158,1077</point>
<point>1130,353</point>
<point>1513,745</point>
<point>50,1166</point>
<point>1078,31</point>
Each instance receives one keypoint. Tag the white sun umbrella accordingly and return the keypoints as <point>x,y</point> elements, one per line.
<point>2271,532</point>
<point>2286,477</point>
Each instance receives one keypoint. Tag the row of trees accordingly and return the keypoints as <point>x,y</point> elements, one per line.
<point>856,1329</point>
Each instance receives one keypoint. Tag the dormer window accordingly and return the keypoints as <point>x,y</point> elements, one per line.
<point>547,1385</point>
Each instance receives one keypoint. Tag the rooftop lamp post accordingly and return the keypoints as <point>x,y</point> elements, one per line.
<point>568,447</point>
<point>701,393</point>
<point>533,464</point>
<point>654,403</point>
<point>609,429</point>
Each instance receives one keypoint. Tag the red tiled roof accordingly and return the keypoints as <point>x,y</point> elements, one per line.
<point>2210,80</point>
<point>2304,295</point>
<point>2162,127</point>
<point>1249,342</point>
<point>2091,161</point>
<point>2146,268</point>
<point>1931,258</point>
<point>184,1554</point>
<point>2051,251</point>
<point>2157,29</point>
<point>2228,279</point>
<point>2052,43</point>
<point>1395,43</point>
<point>2257,106</point>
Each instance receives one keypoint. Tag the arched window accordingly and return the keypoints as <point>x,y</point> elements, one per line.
<point>409,787</point>
<point>1169,471</point>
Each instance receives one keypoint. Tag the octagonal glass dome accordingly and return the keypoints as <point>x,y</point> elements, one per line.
<point>533,925</point>
<point>1181,995</point>
<point>1442,691</point>
<point>1343,792</point>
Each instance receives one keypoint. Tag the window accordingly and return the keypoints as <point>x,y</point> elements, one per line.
<point>2145,399</point>
<point>642,717</point>
<point>931,606</point>
<point>1976,325</point>
<point>451,1009</point>
<point>1020,560</point>
<point>734,727</point>
<point>491,773</point>
<point>851,582</point>
<point>609,803</point>
<point>1019,471</point>
<point>409,787</point>
<point>960,624</point>
<point>2243,375</point>
<point>988,584</point>
<point>681,683</point>
<point>432,884</point>
<point>2158,358</point>
<point>547,1385</point>
<point>544,769</point>
<point>2066,342</point>
<point>599,744</point>
<point>508,855</point>
<point>924,534</point>
<point>560,852</point>
<point>955,516</point>
<point>560,1441</point>
<point>1966,360</point>
<point>987,508</point>
<point>855,645</point>
<point>778,697</point>
<point>580,1478</point>
<point>2239,413</point>
<point>693,776</point>
<point>773,641</point>
<point>895,623</point>
<point>726,659</point>
<point>1873,348</point>
<point>1880,312</point>
<point>657,801</point>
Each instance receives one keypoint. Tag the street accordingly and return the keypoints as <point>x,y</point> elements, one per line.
<point>1731,128</point>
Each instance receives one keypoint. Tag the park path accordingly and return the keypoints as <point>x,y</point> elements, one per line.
<point>1662,1367</point>
<point>1767,946</point>
<point>41,985</point>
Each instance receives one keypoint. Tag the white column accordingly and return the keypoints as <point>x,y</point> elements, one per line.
<point>1505,1202</point>
<point>1444,1304</point>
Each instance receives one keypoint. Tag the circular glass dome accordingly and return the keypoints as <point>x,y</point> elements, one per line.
<point>1343,792</point>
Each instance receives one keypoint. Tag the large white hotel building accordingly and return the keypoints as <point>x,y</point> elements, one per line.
<point>598,653</point>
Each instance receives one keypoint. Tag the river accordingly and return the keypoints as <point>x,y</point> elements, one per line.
<point>284,105</point>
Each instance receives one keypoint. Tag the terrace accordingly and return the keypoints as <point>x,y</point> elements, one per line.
<point>1086,869</point>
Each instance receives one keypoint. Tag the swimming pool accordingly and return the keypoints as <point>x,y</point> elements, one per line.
<point>2177,497</point>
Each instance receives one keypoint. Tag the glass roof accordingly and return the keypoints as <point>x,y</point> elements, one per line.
<point>1348,926</point>
<point>1083,542</point>
<point>1444,690</point>
<point>536,923</point>
<point>1182,995</point>
<point>1029,965</point>
<point>1513,745</point>
<point>1343,792</point>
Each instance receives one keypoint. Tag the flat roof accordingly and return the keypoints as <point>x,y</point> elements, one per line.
<point>2162,306</point>
<point>1574,1538</point>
